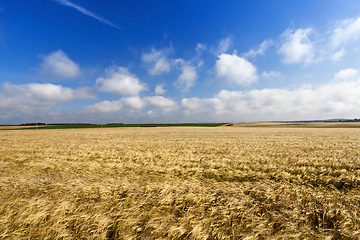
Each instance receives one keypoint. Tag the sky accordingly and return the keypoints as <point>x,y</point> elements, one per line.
<point>178,61</point>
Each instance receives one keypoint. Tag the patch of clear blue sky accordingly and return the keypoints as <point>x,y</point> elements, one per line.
<point>40,27</point>
<point>29,29</point>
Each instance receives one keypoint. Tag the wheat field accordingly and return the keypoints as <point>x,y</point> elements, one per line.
<point>180,183</point>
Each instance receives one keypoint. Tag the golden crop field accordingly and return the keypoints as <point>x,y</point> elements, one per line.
<point>180,183</point>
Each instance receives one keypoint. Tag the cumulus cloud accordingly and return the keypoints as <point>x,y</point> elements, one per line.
<point>166,104</point>
<point>58,65</point>
<point>104,107</point>
<point>331,100</point>
<point>235,69</point>
<point>305,46</point>
<point>297,47</point>
<point>121,82</point>
<point>271,74</point>
<point>346,74</point>
<point>25,98</point>
<point>157,62</point>
<point>346,30</point>
<point>188,76</point>
<point>214,105</point>
<point>131,104</point>
<point>260,50</point>
<point>159,90</point>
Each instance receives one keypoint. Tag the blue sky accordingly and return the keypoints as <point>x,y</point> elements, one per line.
<point>178,61</point>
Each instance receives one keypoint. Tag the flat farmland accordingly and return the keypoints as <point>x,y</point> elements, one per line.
<point>180,183</point>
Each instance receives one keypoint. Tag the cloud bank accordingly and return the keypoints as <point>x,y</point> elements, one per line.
<point>133,104</point>
<point>25,98</point>
<point>339,98</point>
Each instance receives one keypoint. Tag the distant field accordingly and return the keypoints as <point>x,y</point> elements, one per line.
<point>262,125</point>
<point>301,125</point>
<point>180,183</point>
<point>75,126</point>
<point>13,127</point>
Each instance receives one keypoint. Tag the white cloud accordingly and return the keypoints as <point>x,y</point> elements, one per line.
<point>131,104</point>
<point>261,50</point>
<point>346,74</point>
<point>162,65</point>
<point>200,47</point>
<point>331,100</point>
<point>271,74</point>
<point>120,82</point>
<point>104,107</point>
<point>159,90</point>
<point>27,97</point>
<point>85,11</point>
<point>197,104</point>
<point>223,46</point>
<point>297,47</point>
<point>166,104</point>
<point>346,30</point>
<point>235,69</point>
<point>336,57</point>
<point>58,65</point>
<point>306,46</point>
<point>157,61</point>
<point>188,76</point>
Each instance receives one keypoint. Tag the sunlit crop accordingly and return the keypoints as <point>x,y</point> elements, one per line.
<point>180,183</point>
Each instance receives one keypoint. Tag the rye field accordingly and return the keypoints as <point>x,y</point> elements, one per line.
<point>180,183</point>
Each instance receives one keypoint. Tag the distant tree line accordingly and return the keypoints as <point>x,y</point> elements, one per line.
<point>42,124</point>
<point>31,124</point>
<point>350,120</point>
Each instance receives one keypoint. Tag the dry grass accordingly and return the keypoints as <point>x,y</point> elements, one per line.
<point>300,124</point>
<point>13,127</point>
<point>180,183</point>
